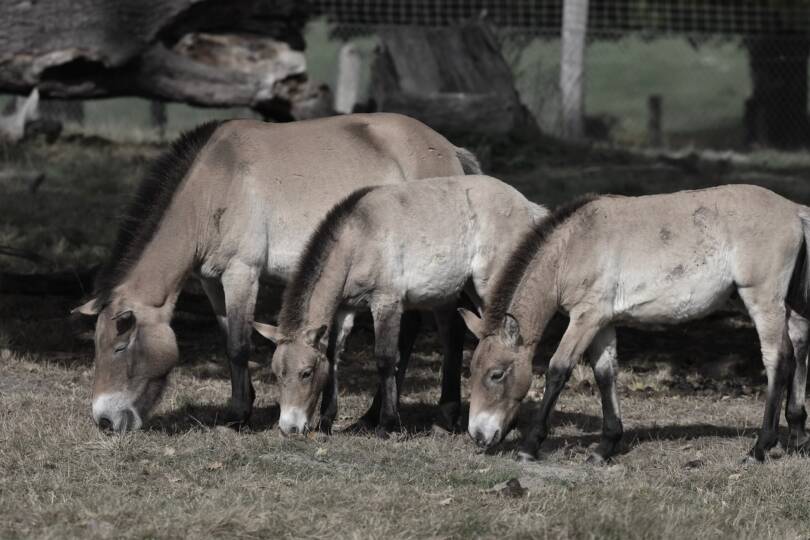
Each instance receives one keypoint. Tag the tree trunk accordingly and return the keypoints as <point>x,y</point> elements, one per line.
<point>776,113</point>
<point>572,68</point>
<point>204,52</point>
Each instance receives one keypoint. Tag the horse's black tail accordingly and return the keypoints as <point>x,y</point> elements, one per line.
<point>799,292</point>
<point>468,161</point>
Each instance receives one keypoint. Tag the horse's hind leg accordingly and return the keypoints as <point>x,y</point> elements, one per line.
<point>408,330</point>
<point>795,413</point>
<point>337,343</point>
<point>770,319</point>
<point>602,356</point>
<point>577,338</point>
<point>451,333</point>
<point>241,284</point>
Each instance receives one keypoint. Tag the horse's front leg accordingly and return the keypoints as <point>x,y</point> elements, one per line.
<point>451,333</point>
<point>240,283</point>
<point>408,330</point>
<point>344,321</point>
<point>575,341</point>
<point>602,356</point>
<point>795,413</point>
<point>387,317</point>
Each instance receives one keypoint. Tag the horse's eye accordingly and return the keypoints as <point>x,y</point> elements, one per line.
<point>306,374</point>
<point>497,375</point>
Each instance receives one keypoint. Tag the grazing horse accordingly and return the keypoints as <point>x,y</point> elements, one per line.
<point>393,249</point>
<point>638,260</point>
<point>230,202</point>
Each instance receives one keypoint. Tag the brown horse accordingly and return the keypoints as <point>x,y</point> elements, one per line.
<point>394,249</point>
<point>637,260</point>
<point>230,202</point>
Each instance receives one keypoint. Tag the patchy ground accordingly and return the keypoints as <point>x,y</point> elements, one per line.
<point>690,397</point>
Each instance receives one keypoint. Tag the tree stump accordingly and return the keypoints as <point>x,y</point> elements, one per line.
<point>453,79</point>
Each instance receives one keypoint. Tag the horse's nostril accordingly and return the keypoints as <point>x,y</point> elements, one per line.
<point>105,424</point>
<point>480,440</point>
<point>292,430</point>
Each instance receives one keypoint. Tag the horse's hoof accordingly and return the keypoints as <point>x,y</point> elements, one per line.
<point>325,426</point>
<point>237,420</point>
<point>596,460</point>
<point>525,457</point>
<point>382,433</point>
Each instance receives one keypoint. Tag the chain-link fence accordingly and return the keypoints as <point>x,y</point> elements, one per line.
<point>675,73</point>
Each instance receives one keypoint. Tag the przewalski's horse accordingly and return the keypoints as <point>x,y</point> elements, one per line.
<point>656,259</point>
<point>230,202</point>
<point>393,249</point>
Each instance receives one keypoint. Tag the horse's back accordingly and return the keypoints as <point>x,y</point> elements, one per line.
<point>274,182</point>
<point>678,256</point>
<point>427,238</point>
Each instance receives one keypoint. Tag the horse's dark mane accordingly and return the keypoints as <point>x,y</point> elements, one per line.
<point>146,210</point>
<point>312,261</point>
<point>507,282</point>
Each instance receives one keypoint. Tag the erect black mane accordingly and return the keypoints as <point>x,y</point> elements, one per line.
<point>146,210</point>
<point>508,280</point>
<point>309,267</point>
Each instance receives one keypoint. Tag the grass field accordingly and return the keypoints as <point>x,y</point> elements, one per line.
<point>691,399</point>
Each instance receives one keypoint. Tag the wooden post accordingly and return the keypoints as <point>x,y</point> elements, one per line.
<point>348,80</point>
<point>572,69</point>
<point>654,135</point>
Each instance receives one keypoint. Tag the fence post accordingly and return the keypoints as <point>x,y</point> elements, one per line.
<point>572,69</point>
<point>654,132</point>
<point>348,79</point>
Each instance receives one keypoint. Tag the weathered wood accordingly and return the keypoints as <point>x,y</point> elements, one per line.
<point>348,80</point>
<point>572,67</point>
<point>237,53</point>
<point>453,79</point>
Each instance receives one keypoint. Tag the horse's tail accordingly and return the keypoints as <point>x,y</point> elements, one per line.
<point>799,292</point>
<point>469,163</point>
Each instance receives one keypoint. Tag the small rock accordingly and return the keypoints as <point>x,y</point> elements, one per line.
<point>320,452</point>
<point>169,451</point>
<point>510,488</point>
<point>694,464</point>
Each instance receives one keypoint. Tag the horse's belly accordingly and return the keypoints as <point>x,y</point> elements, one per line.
<point>432,285</point>
<point>674,302</point>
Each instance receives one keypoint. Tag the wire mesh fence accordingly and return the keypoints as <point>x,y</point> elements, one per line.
<point>678,72</point>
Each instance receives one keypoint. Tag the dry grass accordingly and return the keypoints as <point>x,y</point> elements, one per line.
<point>690,399</point>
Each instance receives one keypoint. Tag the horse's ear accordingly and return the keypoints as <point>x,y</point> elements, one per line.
<point>511,331</point>
<point>317,338</point>
<point>268,331</point>
<point>473,322</point>
<point>89,308</point>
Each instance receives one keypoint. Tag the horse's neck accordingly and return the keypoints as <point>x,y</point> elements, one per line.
<point>158,275</point>
<point>536,298</point>
<point>327,292</point>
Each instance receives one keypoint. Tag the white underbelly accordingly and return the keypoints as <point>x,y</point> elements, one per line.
<point>672,301</point>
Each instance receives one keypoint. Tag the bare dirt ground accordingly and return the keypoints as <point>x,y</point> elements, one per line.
<point>690,395</point>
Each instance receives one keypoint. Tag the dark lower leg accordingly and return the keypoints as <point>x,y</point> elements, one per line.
<point>329,401</point>
<point>555,381</point>
<point>769,435</point>
<point>242,393</point>
<point>409,328</point>
<point>451,332</point>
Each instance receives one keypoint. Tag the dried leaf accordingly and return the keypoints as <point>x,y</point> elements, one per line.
<point>446,502</point>
<point>216,465</point>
